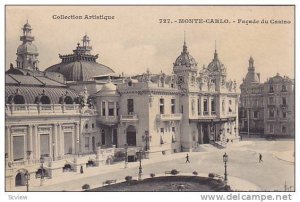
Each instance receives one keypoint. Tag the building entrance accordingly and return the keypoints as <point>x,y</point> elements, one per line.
<point>131,136</point>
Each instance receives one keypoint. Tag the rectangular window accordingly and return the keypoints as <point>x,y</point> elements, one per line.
<point>173,129</point>
<point>68,142</point>
<point>284,115</point>
<point>87,143</point>
<point>284,88</point>
<point>283,129</point>
<point>284,100</point>
<point>199,107</point>
<point>130,106</point>
<point>103,108</point>
<point>173,106</point>
<point>213,107</point>
<point>205,107</point>
<point>271,90</point>
<point>45,145</point>
<point>161,106</point>
<point>111,109</point>
<point>223,106</point>
<point>271,113</point>
<point>271,128</point>
<point>118,109</point>
<point>102,137</point>
<point>256,114</point>
<point>162,130</point>
<point>18,148</point>
<point>271,100</point>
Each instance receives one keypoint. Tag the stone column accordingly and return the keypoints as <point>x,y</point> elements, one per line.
<point>61,138</point>
<point>54,142</point>
<point>77,140</point>
<point>8,143</point>
<point>29,141</point>
<point>201,106</point>
<point>115,109</point>
<point>209,105</point>
<point>35,151</point>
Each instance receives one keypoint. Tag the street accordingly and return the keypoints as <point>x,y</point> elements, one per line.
<point>271,174</point>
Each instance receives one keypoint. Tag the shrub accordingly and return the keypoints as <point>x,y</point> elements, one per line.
<point>128,178</point>
<point>152,175</point>
<point>211,175</point>
<point>227,188</point>
<point>86,187</point>
<point>108,182</point>
<point>119,154</point>
<point>195,173</point>
<point>220,181</point>
<point>174,172</point>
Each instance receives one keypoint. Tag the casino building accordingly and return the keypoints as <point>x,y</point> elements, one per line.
<point>81,113</point>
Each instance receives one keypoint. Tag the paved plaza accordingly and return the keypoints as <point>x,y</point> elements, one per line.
<point>245,172</point>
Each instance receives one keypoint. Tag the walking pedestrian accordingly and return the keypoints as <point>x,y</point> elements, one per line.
<point>81,169</point>
<point>187,158</point>
<point>260,157</point>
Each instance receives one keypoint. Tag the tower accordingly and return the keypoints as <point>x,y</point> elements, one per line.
<point>27,53</point>
<point>185,67</point>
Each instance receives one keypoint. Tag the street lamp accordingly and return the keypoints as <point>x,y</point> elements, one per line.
<point>42,160</point>
<point>140,168</point>
<point>147,140</point>
<point>27,178</point>
<point>126,156</point>
<point>225,160</point>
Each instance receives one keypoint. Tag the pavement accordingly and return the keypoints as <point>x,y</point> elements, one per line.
<point>245,173</point>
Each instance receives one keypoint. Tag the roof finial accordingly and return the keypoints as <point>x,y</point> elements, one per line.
<point>215,54</point>
<point>215,46</point>
<point>184,38</point>
<point>184,43</point>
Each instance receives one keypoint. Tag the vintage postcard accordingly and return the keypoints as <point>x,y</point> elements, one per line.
<point>169,98</point>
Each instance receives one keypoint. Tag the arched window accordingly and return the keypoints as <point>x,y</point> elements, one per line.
<point>68,100</point>
<point>16,99</point>
<point>45,100</point>
<point>19,99</point>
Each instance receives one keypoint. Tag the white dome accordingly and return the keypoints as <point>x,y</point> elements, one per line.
<point>108,89</point>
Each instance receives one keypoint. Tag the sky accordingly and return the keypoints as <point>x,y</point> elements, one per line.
<point>135,40</point>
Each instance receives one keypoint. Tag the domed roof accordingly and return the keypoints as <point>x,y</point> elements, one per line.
<point>27,26</point>
<point>27,48</point>
<point>215,64</point>
<point>185,59</point>
<point>108,89</point>
<point>80,70</point>
<point>86,38</point>
<point>251,77</point>
<point>81,65</point>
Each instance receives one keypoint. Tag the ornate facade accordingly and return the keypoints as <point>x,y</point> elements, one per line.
<point>267,108</point>
<point>88,116</point>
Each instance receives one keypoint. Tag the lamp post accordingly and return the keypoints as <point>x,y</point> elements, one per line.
<point>27,178</point>
<point>42,160</point>
<point>225,160</point>
<point>126,156</point>
<point>147,140</point>
<point>140,167</point>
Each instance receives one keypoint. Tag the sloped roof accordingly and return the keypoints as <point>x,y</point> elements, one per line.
<point>31,92</point>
